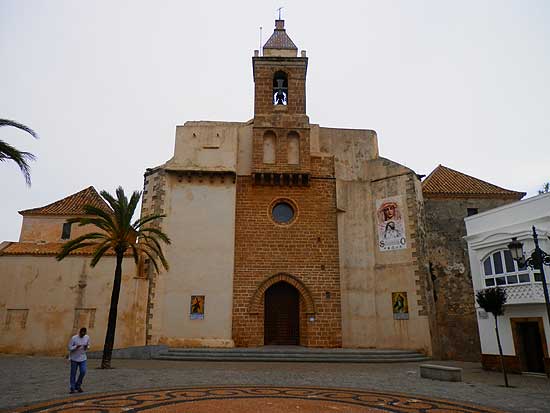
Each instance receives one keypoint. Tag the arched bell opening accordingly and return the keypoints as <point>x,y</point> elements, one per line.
<point>280,88</point>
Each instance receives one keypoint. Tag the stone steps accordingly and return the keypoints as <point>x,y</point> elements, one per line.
<point>291,354</point>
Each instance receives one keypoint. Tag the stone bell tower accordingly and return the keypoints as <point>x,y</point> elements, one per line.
<point>286,284</point>
<point>281,126</point>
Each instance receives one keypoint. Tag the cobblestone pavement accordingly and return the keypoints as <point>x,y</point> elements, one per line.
<point>29,380</point>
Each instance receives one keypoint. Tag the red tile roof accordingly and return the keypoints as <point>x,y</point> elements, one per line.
<point>445,182</point>
<point>71,205</point>
<point>279,39</point>
<point>47,248</point>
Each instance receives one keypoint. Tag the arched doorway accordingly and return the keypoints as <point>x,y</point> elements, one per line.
<point>282,315</point>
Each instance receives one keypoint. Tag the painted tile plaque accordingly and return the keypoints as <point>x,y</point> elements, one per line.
<point>390,224</point>
<point>197,307</point>
<point>400,304</point>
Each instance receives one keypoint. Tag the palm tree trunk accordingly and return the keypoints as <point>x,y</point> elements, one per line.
<point>111,325</point>
<point>500,352</point>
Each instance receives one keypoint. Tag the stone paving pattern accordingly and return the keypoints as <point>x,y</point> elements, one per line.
<point>249,399</point>
<point>29,380</point>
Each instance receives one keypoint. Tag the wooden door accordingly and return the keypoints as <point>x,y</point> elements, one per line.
<point>532,355</point>
<point>281,322</point>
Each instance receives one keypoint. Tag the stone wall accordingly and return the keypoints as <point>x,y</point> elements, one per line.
<point>44,302</point>
<point>456,323</point>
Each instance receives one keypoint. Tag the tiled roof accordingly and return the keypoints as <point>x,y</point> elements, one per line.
<point>279,39</point>
<point>71,205</point>
<point>445,182</point>
<point>48,248</point>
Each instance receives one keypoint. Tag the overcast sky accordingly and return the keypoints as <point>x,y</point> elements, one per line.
<point>104,83</point>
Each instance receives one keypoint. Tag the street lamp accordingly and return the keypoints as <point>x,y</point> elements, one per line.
<point>537,260</point>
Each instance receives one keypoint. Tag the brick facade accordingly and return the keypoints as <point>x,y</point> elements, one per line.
<point>303,253</point>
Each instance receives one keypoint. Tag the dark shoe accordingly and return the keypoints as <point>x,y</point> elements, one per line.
<point>72,391</point>
<point>79,390</point>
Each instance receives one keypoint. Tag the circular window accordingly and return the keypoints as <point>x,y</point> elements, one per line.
<point>282,213</point>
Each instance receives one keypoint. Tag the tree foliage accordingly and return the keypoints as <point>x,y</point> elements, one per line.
<point>10,153</point>
<point>492,300</point>
<point>117,232</point>
<point>545,188</point>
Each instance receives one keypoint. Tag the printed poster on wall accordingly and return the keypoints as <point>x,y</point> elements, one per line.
<point>197,307</point>
<point>400,304</point>
<point>390,224</point>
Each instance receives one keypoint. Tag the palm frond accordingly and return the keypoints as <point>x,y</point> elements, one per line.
<point>157,252</point>
<point>106,215</point>
<point>7,122</point>
<point>140,222</point>
<point>10,153</point>
<point>132,204</point>
<point>163,237</point>
<point>78,243</point>
<point>99,252</point>
<point>149,255</point>
<point>98,222</point>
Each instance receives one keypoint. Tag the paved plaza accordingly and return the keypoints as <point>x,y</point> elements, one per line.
<point>166,386</point>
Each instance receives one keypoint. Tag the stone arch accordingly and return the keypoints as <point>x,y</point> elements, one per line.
<point>256,300</point>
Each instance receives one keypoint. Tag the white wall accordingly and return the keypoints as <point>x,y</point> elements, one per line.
<point>201,223</point>
<point>491,231</point>
<point>487,327</point>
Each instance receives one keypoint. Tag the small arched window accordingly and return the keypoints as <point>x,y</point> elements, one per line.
<point>269,147</point>
<point>499,269</point>
<point>280,88</point>
<point>293,145</point>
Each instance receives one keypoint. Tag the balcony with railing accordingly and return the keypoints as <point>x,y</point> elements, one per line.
<point>523,285</point>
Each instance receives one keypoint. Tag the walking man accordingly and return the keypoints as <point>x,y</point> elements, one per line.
<point>77,355</point>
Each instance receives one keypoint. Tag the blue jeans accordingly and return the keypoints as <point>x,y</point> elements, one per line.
<point>81,365</point>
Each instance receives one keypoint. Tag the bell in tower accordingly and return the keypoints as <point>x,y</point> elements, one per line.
<point>280,88</point>
<point>280,76</point>
<point>281,127</point>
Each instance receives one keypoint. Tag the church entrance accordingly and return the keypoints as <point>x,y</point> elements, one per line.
<point>282,315</point>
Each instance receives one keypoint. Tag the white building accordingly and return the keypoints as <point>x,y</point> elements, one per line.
<point>524,328</point>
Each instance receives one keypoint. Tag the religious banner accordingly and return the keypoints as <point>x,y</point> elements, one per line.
<point>197,307</point>
<point>400,304</point>
<point>390,224</point>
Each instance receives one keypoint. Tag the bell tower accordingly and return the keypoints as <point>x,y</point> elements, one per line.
<point>281,153</point>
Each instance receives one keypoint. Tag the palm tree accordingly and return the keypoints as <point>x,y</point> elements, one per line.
<point>492,300</point>
<point>117,232</point>
<point>8,152</point>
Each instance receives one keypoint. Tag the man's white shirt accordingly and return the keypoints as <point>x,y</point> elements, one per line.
<point>78,354</point>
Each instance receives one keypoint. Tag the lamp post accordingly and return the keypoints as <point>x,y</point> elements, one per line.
<point>537,260</point>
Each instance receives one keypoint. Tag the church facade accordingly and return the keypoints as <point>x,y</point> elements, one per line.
<point>287,232</point>
<point>283,232</point>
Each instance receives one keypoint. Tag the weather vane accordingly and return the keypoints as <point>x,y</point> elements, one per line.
<point>279,10</point>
